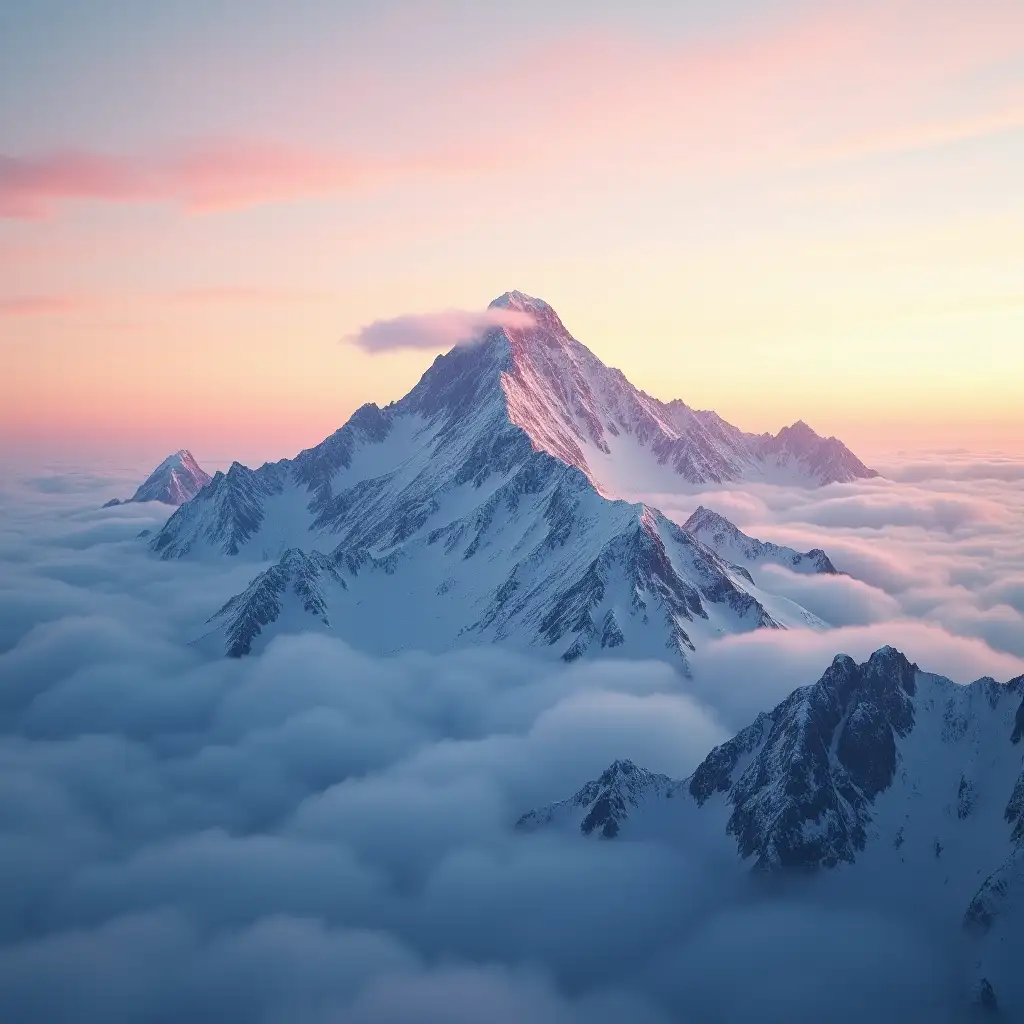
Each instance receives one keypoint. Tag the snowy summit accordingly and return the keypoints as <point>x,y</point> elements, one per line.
<point>176,480</point>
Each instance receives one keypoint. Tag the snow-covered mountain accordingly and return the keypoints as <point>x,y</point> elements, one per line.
<point>625,441</point>
<point>481,507</point>
<point>542,561</point>
<point>899,784</point>
<point>176,480</point>
<point>727,540</point>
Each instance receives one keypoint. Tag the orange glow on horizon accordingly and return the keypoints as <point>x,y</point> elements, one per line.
<point>814,214</point>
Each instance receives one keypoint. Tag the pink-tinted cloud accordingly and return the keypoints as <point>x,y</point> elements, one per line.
<point>206,177</point>
<point>45,305</point>
<point>823,83</point>
<point>940,541</point>
<point>958,467</point>
<point>434,331</point>
<point>881,510</point>
<point>827,83</point>
<point>838,600</point>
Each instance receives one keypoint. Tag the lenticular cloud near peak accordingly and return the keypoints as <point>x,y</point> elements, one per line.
<point>435,331</point>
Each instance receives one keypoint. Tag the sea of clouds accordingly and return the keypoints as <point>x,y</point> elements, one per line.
<point>316,834</point>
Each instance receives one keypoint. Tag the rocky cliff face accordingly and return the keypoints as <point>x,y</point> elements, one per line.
<point>905,785</point>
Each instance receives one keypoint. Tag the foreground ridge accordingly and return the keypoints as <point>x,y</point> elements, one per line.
<point>894,781</point>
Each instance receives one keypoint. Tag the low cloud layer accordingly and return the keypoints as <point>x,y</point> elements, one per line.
<point>319,835</point>
<point>939,540</point>
<point>435,331</point>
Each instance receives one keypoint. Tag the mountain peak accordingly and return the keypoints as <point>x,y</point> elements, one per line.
<point>704,518</point>
<point>582,412</point>
<point>621,788</point>
<point>826,456</point>
<point>520,301</point>
<point>727,540</point>
<point>617,771</point>
<point>800,431</point>
<point>182,457</point>
<point>177,479</point>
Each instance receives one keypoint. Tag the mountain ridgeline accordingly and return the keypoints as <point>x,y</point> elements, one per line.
<point>898,785</point>
<point>487,500</point>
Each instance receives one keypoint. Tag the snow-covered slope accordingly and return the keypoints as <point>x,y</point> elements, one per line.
<point>176,480</point>
<point>726,539</point>
<point>479,508</point>
<point>542,562</point>
<point>905,786</point>
<point>590,416</point>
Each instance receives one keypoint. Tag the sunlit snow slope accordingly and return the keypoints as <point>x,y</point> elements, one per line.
<point>480,508</point>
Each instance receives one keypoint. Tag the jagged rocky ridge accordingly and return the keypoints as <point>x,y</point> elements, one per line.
<point>177,479</point>
<point>589,416</point>
<point>894,782</point>
<point>478,508</point>
<point>570,574</point>
<point>726,540</point>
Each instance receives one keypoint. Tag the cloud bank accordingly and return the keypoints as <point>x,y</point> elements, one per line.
<point>316,834</point>
<point>938,540</point>
<point>201,177</point>
<point>435,331</point>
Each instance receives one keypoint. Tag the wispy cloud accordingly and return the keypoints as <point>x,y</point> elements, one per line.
<point>433,331</point>
<point>45,305</point>
<point>821,85</point>
<point>203,177</point>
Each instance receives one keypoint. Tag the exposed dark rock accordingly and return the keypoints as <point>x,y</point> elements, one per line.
<point>259,604</point>
<point>1018,725</point>
<point>611,635</point>
<point>800,805</point>
<point>608,799</point>
<point>1014,812</point>
<point>714,774</point>
<point>986,997</point>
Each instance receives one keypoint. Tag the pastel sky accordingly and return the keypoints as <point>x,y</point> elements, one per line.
<point>773,208</point>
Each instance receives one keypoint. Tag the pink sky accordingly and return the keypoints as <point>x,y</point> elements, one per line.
<point>786,210</point>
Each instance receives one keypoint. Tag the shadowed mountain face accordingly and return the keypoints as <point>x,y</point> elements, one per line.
<point>176,480</point>
<point>476,509</point>
<point>898,784</point>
